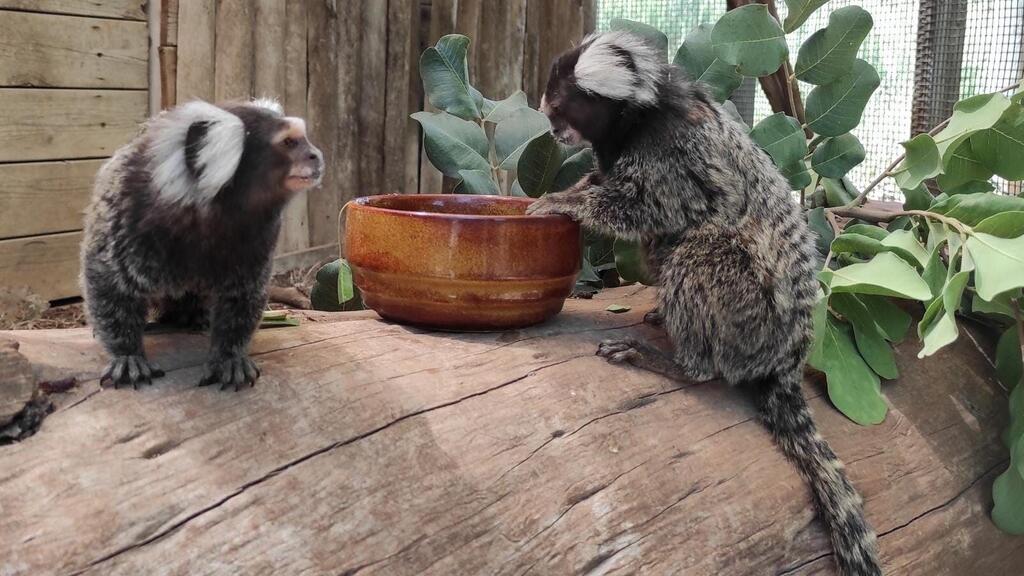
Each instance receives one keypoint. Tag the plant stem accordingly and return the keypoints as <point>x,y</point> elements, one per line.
<point>1020,328</point>
<point>888,171</point>
<point>877,216</point>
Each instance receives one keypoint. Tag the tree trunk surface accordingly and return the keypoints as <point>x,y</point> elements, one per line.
<point>374,448</point>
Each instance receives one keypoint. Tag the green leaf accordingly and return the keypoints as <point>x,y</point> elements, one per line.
<point>1001,148</point>
<point>829,52</point>
<point>836,108</point>
<point>512,135</point>
<point>869,230</point>
<point>1008,360</point>
<point>732,112</point>
<point>963,167</point>
<point>906,240</point>
<point>847,243</point>
<point>836,193</point>
<point>453,144</point>
<point>970,187</point>
<point>922,162</point>
<point>1008,494</point>
<point>506,107</point>
<point>573,169</point>
<point>346,290</point>
<point>445,76</point>
<point>1001,307</point>
<point>800,11</point>
<point>631,262</point>
<point>617,308</point>
<point>1003,225</point>
<point>1015,431</point>
<point>852,386</point>
<point>837,156</point>
<point>333,283</point>
<point>538,165</point>
<point>824,234</point>
<point>587,272</point>
<point>918,198</point>
<point>649,33</point>
<point>937,327</point>
<point>868,335</point>
<point>970,116</point>
<point>797,174</point>
<point>782,138</point>
<point>750,39</point>
<point>1000,263</point>
<point>697,58</point>
<point>935,273</point>
<point>278,323</point>
<point>517,189</point>
<point>892,319</point>
<point>476,182</point>
<point>885,275</point>
<point>971,209</point>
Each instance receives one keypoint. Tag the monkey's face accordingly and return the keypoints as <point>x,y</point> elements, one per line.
<point>304,160</point>
<point>575,114</point>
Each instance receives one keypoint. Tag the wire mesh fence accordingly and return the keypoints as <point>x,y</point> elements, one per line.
<point>928,53</point>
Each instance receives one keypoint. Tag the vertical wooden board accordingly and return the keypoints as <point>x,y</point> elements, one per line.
<point>468,14</point>
<point>322,116</point>
<point>56,51</point>
<point>373,56</point>
<point>551,28</point>
<point>123,9</point>
<point>442,20</point>
<point>499,50</point>
<point>234,50</point>
<point>68,124</point>
<point>295,228</point>
<point>168,76</point>
<point>47,265</point>
<point>169,22</point>
<point>270,27</point>
<point>401,135</point>
<point>412,136</point>
<point>44,197</point>
<point>352,160</point>
<point>197,25</point>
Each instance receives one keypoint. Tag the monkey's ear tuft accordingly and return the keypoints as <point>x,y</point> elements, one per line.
<point>620,66</point>
<point>194,151</point>
<point>270,104</point>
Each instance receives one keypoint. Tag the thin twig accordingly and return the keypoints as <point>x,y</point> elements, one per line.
<point>1020,328</point>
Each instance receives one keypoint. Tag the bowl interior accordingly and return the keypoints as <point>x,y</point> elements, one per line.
<point>455,204</point>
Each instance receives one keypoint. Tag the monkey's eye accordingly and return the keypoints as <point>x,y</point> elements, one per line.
<point>290,142</point>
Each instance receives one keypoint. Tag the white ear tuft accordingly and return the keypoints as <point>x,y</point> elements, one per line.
<point>620,66</point>
<point>269,104</point>
<point>215,160</point>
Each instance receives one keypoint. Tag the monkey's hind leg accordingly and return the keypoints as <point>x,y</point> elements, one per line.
<point>118,320</point>
<point>645,357</point>
<point>236,314</point>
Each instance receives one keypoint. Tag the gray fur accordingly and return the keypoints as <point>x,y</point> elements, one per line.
<point>200,255</point>
<point>735,259</point>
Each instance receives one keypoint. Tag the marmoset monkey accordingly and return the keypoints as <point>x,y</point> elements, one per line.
<point>735,258</point>
<point>185,217</point>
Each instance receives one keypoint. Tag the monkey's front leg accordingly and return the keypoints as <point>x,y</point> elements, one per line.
<point>236,314</point>
<point>118,319</point>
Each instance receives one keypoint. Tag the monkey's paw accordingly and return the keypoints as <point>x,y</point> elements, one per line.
<point>620,351</point>
<point>548,204</point>
<point>233,371</point>
<point>654,318</point>
<point>134,370</point>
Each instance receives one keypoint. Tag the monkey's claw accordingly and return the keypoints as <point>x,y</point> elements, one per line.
<point>236,371</point>
<point>619,351</point>
<point>134,370</point>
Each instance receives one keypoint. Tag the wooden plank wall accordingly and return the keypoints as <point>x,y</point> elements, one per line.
<point>73,87</point>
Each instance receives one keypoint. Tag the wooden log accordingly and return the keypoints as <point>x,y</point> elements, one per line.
<point>17,383</point>
<point>68,124</point>
<point>44,197</point>
<point>380,449</point>
<point>197,34</point>
<point>47,265</point>
<point>54,51</point>
<point>126,9</point>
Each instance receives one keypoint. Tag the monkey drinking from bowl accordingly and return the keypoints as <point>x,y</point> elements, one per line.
<point>734,257</point>
<point>185,217</point>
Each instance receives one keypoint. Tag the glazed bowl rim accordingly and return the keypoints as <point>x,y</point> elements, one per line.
<point>363,203</point>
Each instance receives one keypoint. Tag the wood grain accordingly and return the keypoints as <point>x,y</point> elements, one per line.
<point>126,9</point>
<point>197,26</point>
<point>379,449</point>
<point>48,50</point>
<point>295,226</point>
<point>324,105</point>
<point>44,197</point>
<point>169,22</point>
<point>68,124</point>
<point>233,56</point>
<point>372,83</point>
<point>47,265</point>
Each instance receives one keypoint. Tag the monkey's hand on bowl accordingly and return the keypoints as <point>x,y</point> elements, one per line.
<point>567,203</point>
<point>130,370</point>
<point>231,371</point>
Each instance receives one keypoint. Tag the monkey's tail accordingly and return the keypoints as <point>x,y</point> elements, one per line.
<point>786,415</point>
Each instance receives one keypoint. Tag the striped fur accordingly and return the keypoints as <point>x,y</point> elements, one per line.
<point>734,256</point>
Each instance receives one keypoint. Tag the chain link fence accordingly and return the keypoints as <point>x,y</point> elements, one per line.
<point>928,53</point>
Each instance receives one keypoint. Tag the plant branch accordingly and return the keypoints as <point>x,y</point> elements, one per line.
<point>877,216</point>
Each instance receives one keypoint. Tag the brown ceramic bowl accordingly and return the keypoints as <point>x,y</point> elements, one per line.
<point>460,262</point>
